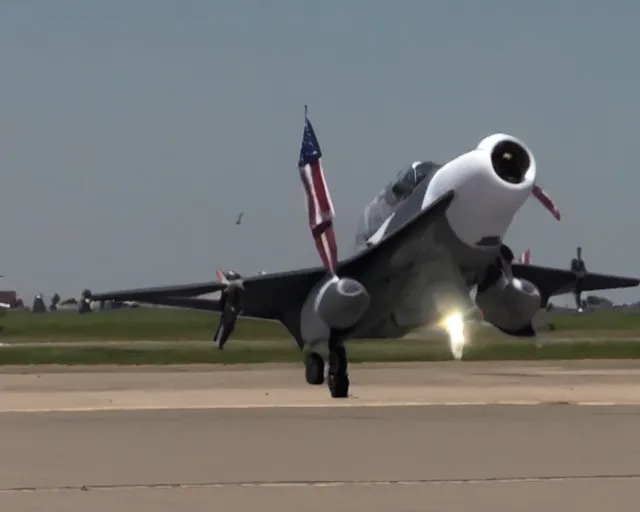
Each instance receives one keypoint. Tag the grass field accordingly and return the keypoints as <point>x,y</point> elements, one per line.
<point>180,324</point>
<point>183,336</point>
<point>128,324</point>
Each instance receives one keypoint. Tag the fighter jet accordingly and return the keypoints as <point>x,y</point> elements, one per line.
<point>430,236</point>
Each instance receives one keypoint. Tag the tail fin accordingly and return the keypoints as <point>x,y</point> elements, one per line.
<point>221,277</point>
<point>525,257</point>
<point>319,204</point>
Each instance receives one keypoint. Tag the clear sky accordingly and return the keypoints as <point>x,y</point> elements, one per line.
<point>132,132</point>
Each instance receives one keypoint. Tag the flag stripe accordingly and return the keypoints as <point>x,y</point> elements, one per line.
<point>319,205</point>
<point>311,206</point>
<point>322,194</point>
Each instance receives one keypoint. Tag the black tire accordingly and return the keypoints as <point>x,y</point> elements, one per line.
<point>314,369</point>
<point>339,386</point>
<point>338,379</point>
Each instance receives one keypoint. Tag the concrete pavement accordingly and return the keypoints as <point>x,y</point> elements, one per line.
<point>104,452</point>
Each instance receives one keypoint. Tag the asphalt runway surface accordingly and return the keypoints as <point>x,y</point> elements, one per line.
<point>414,437</point>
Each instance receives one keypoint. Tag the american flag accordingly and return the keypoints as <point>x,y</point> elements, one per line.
<point>319,205</point>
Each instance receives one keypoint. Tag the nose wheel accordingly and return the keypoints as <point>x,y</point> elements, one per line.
<point>338,377</point>
<point>314,369</point>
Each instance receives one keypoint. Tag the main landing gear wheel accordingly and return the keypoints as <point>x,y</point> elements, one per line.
<point>314,369</point>
<point>338,380</point>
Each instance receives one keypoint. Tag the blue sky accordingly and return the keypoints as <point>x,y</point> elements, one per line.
<point>133,132</point>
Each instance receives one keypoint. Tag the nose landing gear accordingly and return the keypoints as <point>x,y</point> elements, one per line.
<point>314,369</point>
<point>337,375</point>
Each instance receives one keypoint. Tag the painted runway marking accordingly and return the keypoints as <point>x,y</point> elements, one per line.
<point>320,483</point>
<point>313,406</point>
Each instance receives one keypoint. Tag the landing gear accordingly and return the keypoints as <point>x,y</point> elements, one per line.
<point>338,378</point>
<point>314,369</point>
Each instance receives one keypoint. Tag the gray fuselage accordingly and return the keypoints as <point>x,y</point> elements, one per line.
<point>424,279</point>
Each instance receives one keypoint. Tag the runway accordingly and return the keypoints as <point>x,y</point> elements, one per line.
<point>247,438</point>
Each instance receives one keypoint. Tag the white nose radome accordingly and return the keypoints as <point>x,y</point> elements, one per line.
<point>491,184</point>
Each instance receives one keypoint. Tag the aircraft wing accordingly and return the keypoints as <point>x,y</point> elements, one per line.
<point>274,296</point>
<point>267,295</point>
<point>185,302</point>
<point>554,281</point>
<point>184,290</point>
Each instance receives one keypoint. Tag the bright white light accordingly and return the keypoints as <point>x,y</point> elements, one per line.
<point>454,325</point>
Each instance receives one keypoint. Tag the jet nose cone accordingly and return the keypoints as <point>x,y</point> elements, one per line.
<point>491,184</point>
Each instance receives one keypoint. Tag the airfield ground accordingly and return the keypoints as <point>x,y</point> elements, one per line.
<point>174,324</point>
<point>182,336</point>
<point>555,435</point>
<point>256,437</point>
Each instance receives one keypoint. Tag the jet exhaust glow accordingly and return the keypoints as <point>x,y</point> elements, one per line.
<point>454,325</point>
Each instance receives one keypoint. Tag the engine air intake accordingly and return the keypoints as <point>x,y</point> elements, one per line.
<point>510,161</point>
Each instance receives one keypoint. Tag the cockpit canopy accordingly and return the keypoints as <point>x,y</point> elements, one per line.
<point>231,275</point>
<point>399,189</point>
<point>407,180</point>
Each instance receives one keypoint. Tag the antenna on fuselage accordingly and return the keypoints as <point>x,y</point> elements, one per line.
<point>579,268</point>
